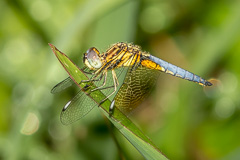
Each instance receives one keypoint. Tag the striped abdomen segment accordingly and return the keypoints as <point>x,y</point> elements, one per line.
<point>179,72</point>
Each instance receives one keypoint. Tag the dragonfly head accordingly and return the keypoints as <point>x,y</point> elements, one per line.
<point>92,59</point>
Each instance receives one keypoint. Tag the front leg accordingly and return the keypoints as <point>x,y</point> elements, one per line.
<point>91,79</point>
<point>116,83</point>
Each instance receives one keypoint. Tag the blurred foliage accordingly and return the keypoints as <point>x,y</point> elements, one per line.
<point>182,119</point>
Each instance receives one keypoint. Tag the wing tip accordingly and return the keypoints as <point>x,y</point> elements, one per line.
<point>53,90</point>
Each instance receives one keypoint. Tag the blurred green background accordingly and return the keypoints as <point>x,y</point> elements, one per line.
<point>184,120</point>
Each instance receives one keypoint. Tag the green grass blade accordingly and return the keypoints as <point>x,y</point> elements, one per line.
<point>141,142</point>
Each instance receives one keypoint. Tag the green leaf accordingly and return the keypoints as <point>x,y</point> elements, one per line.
<point>140,141</point>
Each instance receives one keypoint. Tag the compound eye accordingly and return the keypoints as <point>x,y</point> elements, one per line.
<point>93,58</point>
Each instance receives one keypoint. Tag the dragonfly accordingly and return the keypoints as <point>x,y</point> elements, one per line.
<point>138,69</point>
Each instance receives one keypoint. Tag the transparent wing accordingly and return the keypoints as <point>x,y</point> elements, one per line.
<point>77,108</point>
<point>68,82</point>
<point>136,87</point>
<point>62,85</point>
<point>81,104</point>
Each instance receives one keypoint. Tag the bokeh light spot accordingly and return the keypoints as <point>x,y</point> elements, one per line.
<point>16,51</point>
<point>229,82</point>
<point>224,107</point>
<point>30,125</point>
<point>152,19</point>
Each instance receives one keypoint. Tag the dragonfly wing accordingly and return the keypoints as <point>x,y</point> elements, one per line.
<point>62,85</point>
<point>136,87</point>
<point>77,108</point>
<point>68,82</point>
<point>82,104</point>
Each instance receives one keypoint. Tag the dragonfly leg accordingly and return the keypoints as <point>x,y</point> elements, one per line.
<point>116,83</point>
<point>105,88</point>
<point>87,72</point>
<point>100,87</point>
<point>91,79</point>
<point>104,83</point>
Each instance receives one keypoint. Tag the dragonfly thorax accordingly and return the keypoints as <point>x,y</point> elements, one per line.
<point>92,59</point>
